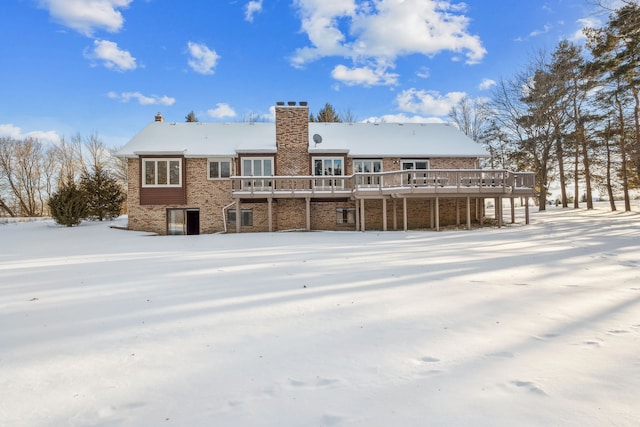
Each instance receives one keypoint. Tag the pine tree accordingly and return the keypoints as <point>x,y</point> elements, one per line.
<point>191,117</point>
<point>68,205</point>
<point>326,114</point>
<point>103,193</point>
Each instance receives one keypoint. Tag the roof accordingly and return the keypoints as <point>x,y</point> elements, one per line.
<point>357,139</point>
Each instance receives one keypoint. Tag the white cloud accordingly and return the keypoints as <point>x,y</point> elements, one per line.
<point>252,8</point>
<point>365,76</point>
<point>203,60</point>
<point>142,99</point>
<point>222,111</point>
<point>402,118</point>
<point>430,103</point>
<point>383,30</point>
<point>423,73</point>
<point>85,16</point>
<point>486,84</point>
<point>590,22</point>
<point>545,29</point>
<point>112,56</point>
<point>15,132</point>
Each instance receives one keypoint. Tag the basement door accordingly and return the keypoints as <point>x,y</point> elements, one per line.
<point>183,221</point>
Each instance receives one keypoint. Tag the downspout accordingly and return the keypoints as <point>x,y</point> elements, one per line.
<point>224,214</point>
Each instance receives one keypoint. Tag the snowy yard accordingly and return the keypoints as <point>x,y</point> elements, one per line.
<point>521,326</point>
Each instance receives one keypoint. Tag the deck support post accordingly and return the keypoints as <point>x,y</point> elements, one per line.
<point>468,213</point>
<point>437,213</point>
<point>513,210</point>
<point>458,212</point>
<point>384,214</point>
<point>499,211</point>
<point>362,226</point>
<point>404,212</point>
<point>526,210</point>
<point>431,214</point>
<point>238,215</point>
<point>395,215</point>
<point>270,213</point>
<point>308,212</point>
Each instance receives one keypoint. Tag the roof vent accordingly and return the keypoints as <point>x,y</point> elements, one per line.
<point>159,117</point>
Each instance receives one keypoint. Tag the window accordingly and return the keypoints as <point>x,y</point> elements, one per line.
<point>345,216</point>
<point>257,166</point>
<point>183,221</point>
<point>367,166</point>
<point>162,172</point>
<point>328,166</point>
<point>246,217</point>
<point>415,178</point>
<point>415,164</point>
<point>219,168</point>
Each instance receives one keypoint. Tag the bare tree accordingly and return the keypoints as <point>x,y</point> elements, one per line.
<point>472,116</point>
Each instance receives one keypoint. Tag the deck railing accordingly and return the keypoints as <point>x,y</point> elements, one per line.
<point>429,180</point>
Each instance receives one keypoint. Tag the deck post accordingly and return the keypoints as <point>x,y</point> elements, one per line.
<point>308,212</point>
<point>404,212</point>
<point>384,214</point>
<point>437,213</point>
<point>357,215</point>
<point>362,226</point>
<point>431,214</point>
<point>270,209</point>
<point>499,211</point>
<point>513,210</point>
<point>238,216</point>
<point>395,215</point>
<point>458,212</point>
<point>468,213</point>
<point>526,210</point>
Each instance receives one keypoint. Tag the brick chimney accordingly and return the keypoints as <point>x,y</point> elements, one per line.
<point>159,117</point>
<point>292,138</point>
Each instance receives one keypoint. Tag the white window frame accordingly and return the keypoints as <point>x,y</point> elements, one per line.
<point>328,183</point>
<point>256,184</point>
<point>156,161</point>
<point>413,163</point>
<point>367,181</point>
<point>219,161</point>
<point>414,178</point>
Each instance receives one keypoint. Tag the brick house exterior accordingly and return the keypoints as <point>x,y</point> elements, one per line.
<point>192,178</point>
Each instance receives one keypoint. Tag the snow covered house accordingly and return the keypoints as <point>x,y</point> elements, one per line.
<point>191,178</point>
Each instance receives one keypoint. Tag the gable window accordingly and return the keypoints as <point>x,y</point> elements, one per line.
<point>162,172</point>
<point>328,166</point>
<point>246,217</point>
<point>367,166</point>
<point>257,166</point>
<point>345,216</point>
<point>219,168</point>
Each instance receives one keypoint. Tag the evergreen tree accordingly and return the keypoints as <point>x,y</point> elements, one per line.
<point>68,205</point>
<point>326,114</point>
<point>104,195</point>
<point>191,117</point>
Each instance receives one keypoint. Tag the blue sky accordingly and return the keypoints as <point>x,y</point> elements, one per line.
<point>108,66</point>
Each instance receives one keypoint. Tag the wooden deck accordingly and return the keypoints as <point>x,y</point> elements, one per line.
<point>408,183</point>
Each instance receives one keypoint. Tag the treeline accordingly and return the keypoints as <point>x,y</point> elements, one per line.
<point>31,173</point>
<point>571,116</point>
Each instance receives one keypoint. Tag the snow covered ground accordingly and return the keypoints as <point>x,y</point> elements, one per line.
<point>521,326</point>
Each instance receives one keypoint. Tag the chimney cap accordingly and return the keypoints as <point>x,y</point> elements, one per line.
<point>280,103</point>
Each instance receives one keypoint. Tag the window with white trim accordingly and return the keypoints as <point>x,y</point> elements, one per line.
<point>219,168</point>
<point>257,166</point>
<point>162,172</point>
<point>367,166</point>
<point>328,166</point>
<point>415,177</point>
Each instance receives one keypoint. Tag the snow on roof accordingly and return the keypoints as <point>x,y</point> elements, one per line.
<point>357,139</point>
<point>394,140</point>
